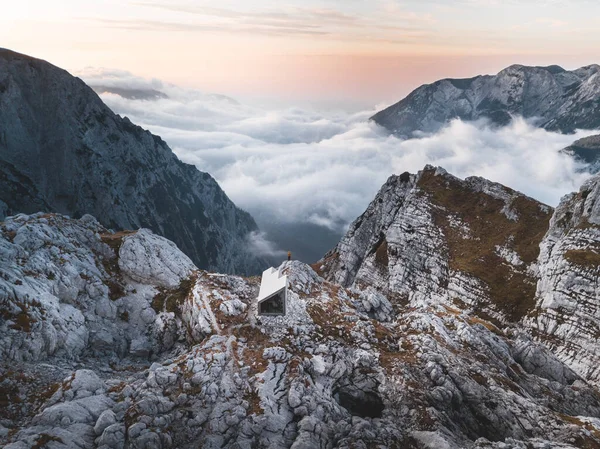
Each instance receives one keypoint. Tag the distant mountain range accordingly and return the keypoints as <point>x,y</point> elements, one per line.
<point>63,150</point>
<point>586,150</point>
<point>130,93</point>
<point>559,99</point>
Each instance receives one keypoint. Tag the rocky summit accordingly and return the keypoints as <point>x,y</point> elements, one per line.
<point>454,314</point>
<point>586,151</point>
<point>487,250</point>
<point>558,99</point>
<point>63,150</point>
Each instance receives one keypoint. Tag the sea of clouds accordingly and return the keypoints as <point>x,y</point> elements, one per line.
<point>320,169</point>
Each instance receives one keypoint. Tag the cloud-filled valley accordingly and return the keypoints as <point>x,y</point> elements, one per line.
<point>307,173</point>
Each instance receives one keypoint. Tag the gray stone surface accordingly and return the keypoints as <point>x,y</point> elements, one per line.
<point>63,150</point>
<point>558,99</point>
<point>374,352</point>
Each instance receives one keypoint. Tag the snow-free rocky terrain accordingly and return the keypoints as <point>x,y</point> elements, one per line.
<point>559,100</point>
<point>437,322</point>
<point>63,150</point>
<point>586,150</point>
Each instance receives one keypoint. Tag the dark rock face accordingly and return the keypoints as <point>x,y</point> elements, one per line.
<point>480,247</point>
<point>62,150</point>
<point>586,150</point>
<point>562,100</point>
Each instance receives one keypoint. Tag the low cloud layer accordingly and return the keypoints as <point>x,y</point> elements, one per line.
<point>323,168</point>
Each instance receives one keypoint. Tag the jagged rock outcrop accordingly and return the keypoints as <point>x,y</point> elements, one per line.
<point>586,150</point>
<point>567,315</point>
<point>434,238</point>
<point>561,100</point>
<point>71,286</point>
<point>63,150</point>
<point>336,372</point>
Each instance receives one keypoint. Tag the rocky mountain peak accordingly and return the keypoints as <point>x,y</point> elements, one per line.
<point>434,237</point>
<point>63,150</point>
<point>586,150</point>
<point>560,100</point>
<point>116,340</point>
<point>480,247</point>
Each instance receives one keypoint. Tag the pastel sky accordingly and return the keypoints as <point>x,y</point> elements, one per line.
<point>336,51</point>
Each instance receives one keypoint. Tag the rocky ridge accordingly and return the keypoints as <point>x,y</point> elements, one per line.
<point>586,150</point>
<point>434,238</point>
<point>560,100</point>
<point>487,250</point>
<point>116,340</point>
<point>567,317</point>
<point>63,150</point>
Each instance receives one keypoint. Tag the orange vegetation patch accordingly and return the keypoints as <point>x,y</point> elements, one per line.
<point>327,315</point>
<point>511,290</point>
<point>116,289</point>
<point>587,258</point>
<point>171,300</point>
<point>490,326</point>
<point>17,388</point>
<point>22,320</point>
<point>9,235</point>
<point>254,407</point>
<point>590,439</point>
<point>43,440</point>
<point>115,240</point>
<point>253,353</point>
<point>325,266</point>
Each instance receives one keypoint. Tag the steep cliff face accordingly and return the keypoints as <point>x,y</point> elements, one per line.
<point>562,100</point>
<point>432,237</point>
<point>567,314</point>
<point>62,150</point>
<point>116,340</point>
<point>586,150</point>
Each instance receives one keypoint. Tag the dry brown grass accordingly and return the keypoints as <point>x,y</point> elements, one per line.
<point>116,289</point>
<point>9,235</point>
<point>587,258</point>
<point>22,321</point>
<point>585,441</point>
<point>18,388</point>
<point>480,379</point>
<point>512,291</point>
<point>117,388</point>
<point>328,263</point>
<point>115,240</point>
<point>254,407</point>
<point>171,300</point>
<point>330,320</point>
<point>44,439</point>
<point>490,326</point>
<point>253,353</point>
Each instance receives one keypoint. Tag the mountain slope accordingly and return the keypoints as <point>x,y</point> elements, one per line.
<point>567,314</point>
<point>562,100</point>
<point>434,238</point>
<point>62,150</point>
<point>586,150</point>
<point>116,340</point>
<point>486,250</point>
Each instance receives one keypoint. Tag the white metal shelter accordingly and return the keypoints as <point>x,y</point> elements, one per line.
<point>272,296</point>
